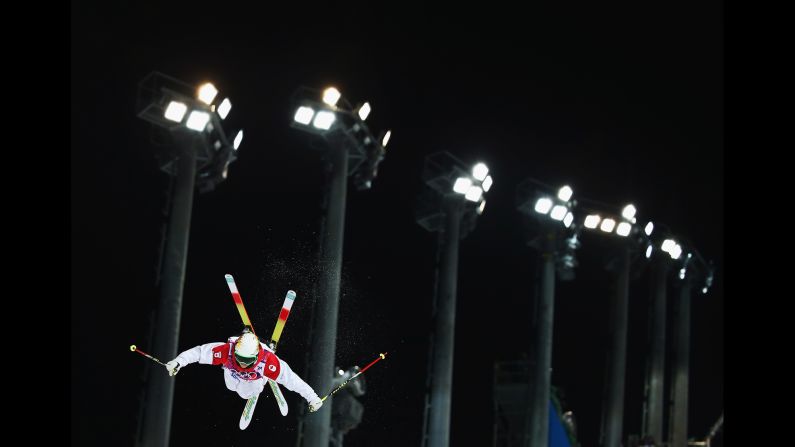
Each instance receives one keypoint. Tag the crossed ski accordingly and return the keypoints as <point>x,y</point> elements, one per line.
<point>248,410</point>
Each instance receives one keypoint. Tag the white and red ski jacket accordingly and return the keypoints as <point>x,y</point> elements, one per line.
<point>248,382</point>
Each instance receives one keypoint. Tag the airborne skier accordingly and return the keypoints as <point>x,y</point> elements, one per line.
<point>247,364</point>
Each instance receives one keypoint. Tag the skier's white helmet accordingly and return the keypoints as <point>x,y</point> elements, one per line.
<point>247,349</point>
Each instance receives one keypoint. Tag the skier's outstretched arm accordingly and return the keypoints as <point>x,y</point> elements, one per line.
<point>202,354</point>
<point>294,382</point>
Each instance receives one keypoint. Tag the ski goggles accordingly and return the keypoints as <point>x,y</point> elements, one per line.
<point>245,362</point>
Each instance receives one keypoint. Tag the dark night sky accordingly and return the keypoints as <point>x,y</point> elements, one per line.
<point>622,103</point>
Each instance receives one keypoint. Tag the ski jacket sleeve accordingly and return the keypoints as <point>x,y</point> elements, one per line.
<point>203,354</point>
<point>294,383</point>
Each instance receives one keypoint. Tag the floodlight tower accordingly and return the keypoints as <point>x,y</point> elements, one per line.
<point>450,206</point>
<point>197,155</point>
<point>661,254</point>
<point>630,239</point>
<point>694,269</point>
<point>554,235</point>
<point>669,253</point>
<point>338,130</point>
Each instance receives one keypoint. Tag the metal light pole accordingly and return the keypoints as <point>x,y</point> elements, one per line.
<point>551,218</point>
<point>617,359</point>
<point>444,208</point>
<point>541,376</point>
<point>705,271</point>
<point>444,335</point>
<point>324,342</point>
<point>156,426</point>
<point>628,236</point>
<point>655,374</point>
<point>351,150</point>
<point>200,149</point>
<point>681,368</point>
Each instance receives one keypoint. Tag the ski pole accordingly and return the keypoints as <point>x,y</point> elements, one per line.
<point>380,356</point>
<point>134,349</point>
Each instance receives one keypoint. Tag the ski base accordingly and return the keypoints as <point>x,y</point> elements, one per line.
<point>248,412</point>
<point>277,393</point>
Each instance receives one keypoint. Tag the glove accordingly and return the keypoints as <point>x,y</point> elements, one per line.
<point>314,406</point>
<point>172,367</point>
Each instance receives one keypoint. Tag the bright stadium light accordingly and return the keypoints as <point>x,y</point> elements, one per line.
<point>558,212</point>
<point>197,120</point>
<point>543,205</point>
<point>182,108</point>
<point>667,245</point>
<point>331,95</point>
<point>462,185</point>
<point>342,125</point>
<point>224,108</point>
<point>385,140</point>
<point>568,219</point>
<point>364,111</point>
<point>592,221</point>
<point>238,139</point>
<point>628,213</point>
<point>607,225</point>
<point>482,207</point>
<point>649,228</point>
<point>474,193</point>
<point>676,251</point>
<point>304,115</point>
<point>565,193</point>
<point>175,111</point>
<point>487,183</point>
<point>649,249</point>
<point>623,229</point>
<point>207,93</point>
<point>324,119</point>
<point>480,171</point>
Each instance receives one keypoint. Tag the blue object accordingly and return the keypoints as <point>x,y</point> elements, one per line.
<point>557,434</point>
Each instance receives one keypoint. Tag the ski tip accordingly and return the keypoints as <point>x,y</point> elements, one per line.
<point>228,277</point>
<point>248,412</point>
<point>383,356</point>
<point>290,294</point>
<point>132,347</point>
